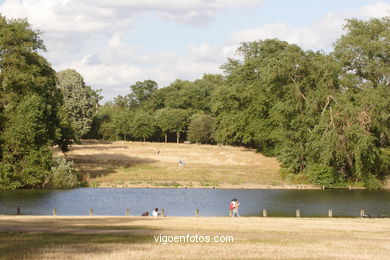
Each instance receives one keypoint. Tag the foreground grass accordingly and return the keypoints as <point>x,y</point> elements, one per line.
<point>132,238</point>
<point>132,164</point>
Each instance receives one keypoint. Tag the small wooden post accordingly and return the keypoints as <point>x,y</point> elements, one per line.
<point>298,213</point>
<point>361,213</point>
<point>197,213</point>
<point>91,212</point>
<point>265,213</point>
<point>127,212</point>
<point>330,213</point>
<point>54,212</point>
<point>162,213</point>
<point>18,210</point>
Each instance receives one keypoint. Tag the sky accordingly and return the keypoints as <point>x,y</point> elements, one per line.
<point>115,43</point>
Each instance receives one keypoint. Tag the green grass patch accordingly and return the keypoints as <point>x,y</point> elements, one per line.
<point>29,245</point>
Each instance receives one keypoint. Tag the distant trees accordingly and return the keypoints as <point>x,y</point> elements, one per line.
<point>141,91</point>
<point>149,113</point>
<point>172,120</point>
<point>143,125</point>
<point>324,116</point>
<point>201,129</point>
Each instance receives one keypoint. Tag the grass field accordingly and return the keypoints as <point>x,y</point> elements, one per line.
<point>137,164</point>
<point>31,237</point>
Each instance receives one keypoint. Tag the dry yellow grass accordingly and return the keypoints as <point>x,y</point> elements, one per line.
<point>136,164</point>
<point>254,238</point>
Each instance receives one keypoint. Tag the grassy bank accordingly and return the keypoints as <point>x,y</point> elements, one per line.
<point>132,238</point>
<point>137,164</point>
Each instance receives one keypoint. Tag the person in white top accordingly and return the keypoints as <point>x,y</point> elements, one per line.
<point>156,213</point>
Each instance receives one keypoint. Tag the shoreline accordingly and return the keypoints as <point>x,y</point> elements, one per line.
<point>228,186</point>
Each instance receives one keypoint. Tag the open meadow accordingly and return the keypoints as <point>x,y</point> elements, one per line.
<point>137,164</point>
<point>33,237</point>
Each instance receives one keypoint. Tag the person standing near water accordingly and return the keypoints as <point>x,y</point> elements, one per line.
<point>231,207</point>
<point>236,205</point>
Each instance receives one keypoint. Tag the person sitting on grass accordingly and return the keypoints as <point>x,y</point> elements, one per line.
<point>156,213</point>
<point>182,163</point>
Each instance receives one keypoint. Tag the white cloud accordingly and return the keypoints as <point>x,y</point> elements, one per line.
<point>100,15</point>
<point>90,36</point>
<point>319,35</point>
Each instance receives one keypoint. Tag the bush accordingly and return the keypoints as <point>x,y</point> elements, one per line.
<point>324,175</point>
<point>63,174</point>
<point>385,162</point>
<point>372,183</point>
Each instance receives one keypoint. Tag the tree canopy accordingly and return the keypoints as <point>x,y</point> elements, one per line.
<point>80,101</point>
<point>29,105</point>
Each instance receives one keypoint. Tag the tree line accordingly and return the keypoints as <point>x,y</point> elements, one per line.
<point>325,116</point>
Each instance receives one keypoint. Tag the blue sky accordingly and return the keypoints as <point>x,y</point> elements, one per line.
<point>114,43</point>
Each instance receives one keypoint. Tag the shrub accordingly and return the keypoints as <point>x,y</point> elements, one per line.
<point>63,174</point>
<point>372,183</point>
<point>323,175</point>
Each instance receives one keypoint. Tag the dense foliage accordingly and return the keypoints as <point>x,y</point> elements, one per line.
<point>80,101</point>
<point>326,117</point>
<point>29,105</point>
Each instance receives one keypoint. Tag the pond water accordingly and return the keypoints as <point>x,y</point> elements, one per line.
<point>183,202</point>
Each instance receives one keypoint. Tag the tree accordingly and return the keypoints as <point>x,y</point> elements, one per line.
<point>141,91</point>
<point>194,96</point>
<point>143,125</point>
<point>80,101</point>
<point>201,129</point>
<point>364,51</point>
<point>29,107</point>
<point>322,115</point>
<point>172,120</point>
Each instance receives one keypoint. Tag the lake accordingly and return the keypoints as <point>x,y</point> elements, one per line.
<point>183,202</point>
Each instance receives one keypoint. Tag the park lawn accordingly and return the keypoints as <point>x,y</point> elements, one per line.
<point>132,164</point>
<point>32,237</point>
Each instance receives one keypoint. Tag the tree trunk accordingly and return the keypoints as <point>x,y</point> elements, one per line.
<point>177,137</point>
<point>166,138</point>
<point>144,139</point>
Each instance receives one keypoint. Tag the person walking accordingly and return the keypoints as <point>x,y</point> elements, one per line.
<point>235,208</point>
<point>231,207</point>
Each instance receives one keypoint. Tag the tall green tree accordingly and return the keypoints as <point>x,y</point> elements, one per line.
<point>201,129</point>
<point>141,91</point>
<point>324,115</point>
<point>143,125</point>
<point>172,120</point>
<point>80,101</point>
<point>29,107</point>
